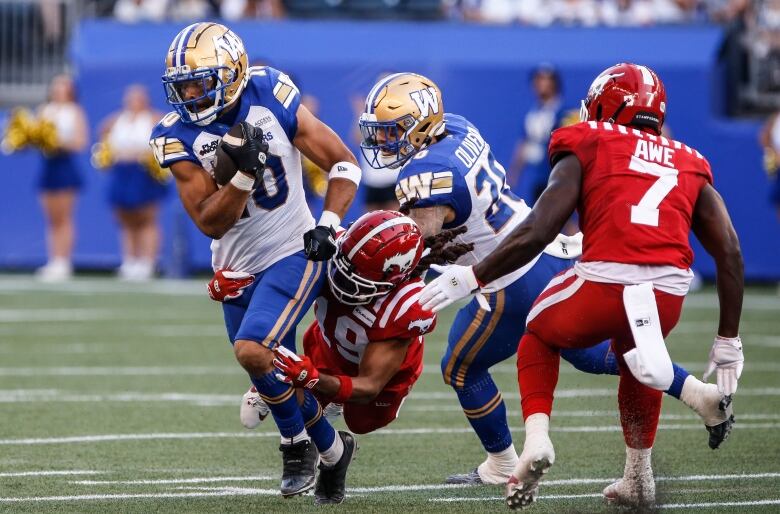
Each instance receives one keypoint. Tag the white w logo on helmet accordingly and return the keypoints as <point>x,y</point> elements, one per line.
<point>427,100</point>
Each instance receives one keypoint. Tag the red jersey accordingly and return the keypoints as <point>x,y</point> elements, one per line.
<point>638,193</point>
<point>342,332</point>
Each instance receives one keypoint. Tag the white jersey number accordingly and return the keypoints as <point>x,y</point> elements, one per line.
<point>646,211</point>
<point>351,336</point>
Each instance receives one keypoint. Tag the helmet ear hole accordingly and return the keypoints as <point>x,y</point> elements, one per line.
<point>598,112</point>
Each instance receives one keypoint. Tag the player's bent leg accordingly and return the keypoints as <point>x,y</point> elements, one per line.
<point>537,372</point>
<point>479,339</point>
<point>283,294</point>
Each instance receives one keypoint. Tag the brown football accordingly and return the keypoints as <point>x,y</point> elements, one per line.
<point>224,167</point>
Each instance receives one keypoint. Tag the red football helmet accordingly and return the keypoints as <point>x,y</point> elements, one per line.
<point>374,255</point>
<point>626,94</point>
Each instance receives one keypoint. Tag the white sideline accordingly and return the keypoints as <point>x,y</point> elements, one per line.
<point>385,432</point>
<point>64,472</point>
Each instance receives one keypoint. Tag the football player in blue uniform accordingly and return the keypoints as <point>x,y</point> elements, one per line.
<point>262,230</point>
<point>449,178</point>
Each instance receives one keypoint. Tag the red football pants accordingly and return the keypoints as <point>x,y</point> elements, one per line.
<point>576,313</point>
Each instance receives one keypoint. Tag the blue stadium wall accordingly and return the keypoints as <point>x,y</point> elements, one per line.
<point>483,71</point>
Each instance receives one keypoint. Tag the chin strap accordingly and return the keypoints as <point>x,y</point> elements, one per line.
<point>617,112</point>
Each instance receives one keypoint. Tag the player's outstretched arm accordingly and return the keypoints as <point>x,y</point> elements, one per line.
<point>213,210</point>
<point>713,228</point>
<point>548,216</point>
<point>380,361</point>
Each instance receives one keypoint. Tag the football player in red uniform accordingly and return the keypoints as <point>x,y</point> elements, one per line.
<point>365,350</point>
<point>638,195</point>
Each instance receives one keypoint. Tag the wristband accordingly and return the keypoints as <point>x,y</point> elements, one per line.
<point>329,219</point>
<point>346,170</point>
<point>243,181</point>
<point>345,389</point>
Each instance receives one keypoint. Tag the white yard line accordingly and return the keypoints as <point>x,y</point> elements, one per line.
<point>241,491</point>
<point>748,503</point>
<point>91,371</point>
<point>12,285</point>
<point>197,480</point>
<point>383,432</point>
<point>60,315</point>
<point>120,496</point>
<point>65,472</point>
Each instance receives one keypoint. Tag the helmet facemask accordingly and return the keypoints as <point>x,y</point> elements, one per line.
<point>349,287</point>
<point>384,143</point>
<point>213,83</point>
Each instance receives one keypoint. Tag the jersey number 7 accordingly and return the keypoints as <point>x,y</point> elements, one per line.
<point>646,211</point>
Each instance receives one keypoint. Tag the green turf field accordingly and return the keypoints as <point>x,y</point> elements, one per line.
<point>124,398</point>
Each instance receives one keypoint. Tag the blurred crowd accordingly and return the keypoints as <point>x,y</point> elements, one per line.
<point>587,13</point>
<point>525,12</point>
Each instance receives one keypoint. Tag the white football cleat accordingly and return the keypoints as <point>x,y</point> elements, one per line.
<point>253,409</point>
<point>633,493</point>
<point>712,407</point>
<point>535,461</point>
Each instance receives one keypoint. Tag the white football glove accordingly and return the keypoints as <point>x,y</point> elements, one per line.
<point>727,360</point>
<point>454,283</point>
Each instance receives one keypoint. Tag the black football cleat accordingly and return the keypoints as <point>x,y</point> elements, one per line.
<point>332,483</point>
<point>721,431</point>
<point>299,464</point>
<point>470,478</point>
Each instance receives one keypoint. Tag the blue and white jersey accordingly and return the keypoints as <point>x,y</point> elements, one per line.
<point>276,214</point>
<point>460,172</point>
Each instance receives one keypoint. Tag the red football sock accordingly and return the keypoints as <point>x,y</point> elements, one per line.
<point>537,374</point>
<point>640,407</point>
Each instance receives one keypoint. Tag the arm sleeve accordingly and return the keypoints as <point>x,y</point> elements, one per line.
<point>434,184</point>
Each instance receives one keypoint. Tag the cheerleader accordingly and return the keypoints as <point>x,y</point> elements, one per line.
<point>60,179</point>
<point>135,188</point>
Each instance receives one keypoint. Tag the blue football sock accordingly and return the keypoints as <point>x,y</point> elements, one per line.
<point>680,374</point>
<point>319,429</point>
<point>282,401</point>
<point>598,360</point>
<point>485,410</point>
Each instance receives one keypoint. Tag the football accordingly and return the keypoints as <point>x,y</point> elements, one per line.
<point>224,167</point>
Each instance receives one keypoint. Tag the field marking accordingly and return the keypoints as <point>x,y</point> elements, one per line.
<point>86,314</point>
<point>215,329</point>
<point>65,472</point>
<point>384,432</point>
<point>240,491</point>
<point>166,287</point>
<point>416,404</point>
<point>747,503</point>
<point>129,496</point>
<point>197,480</point>
<point>107,371</point>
